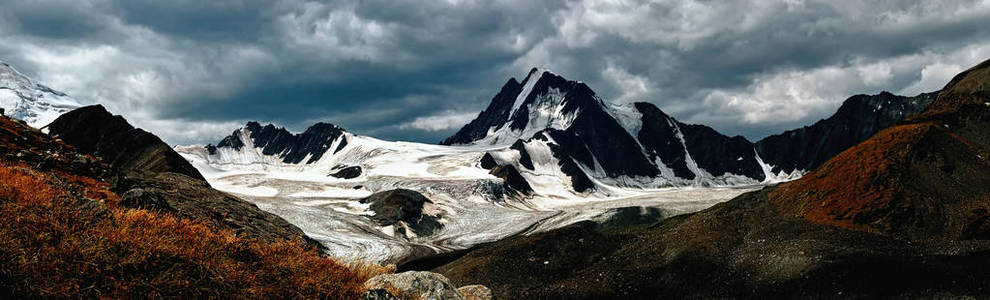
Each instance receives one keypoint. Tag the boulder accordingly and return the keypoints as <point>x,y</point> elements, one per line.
<point>402,205</point>
<point>140,198</point>
<point>414,285</point>
<point>377,294</point>
<point>475,292</point>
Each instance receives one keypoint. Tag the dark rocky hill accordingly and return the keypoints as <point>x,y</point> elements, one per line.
<point>94,130</point>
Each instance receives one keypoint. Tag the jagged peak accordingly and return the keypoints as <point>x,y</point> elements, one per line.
<point>324,125</point>
<point>254,126</point>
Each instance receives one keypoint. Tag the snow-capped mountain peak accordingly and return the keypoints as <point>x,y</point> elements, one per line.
<point>633,144</point>
<point>254,141</point>
<point>32,102</point>
<point>543,100</point>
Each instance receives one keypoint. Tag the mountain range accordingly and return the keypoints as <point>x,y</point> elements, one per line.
<point>589,145</point>
<point>903,214</point>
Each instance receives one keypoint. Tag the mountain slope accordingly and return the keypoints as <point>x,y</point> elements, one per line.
<point>856,120</point>
<point>34,103</point>
<point>694,151</point>
<point>92,129</point>
<point>903,214</point>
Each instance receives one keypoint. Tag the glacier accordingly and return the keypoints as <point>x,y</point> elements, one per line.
<point>472,204</point>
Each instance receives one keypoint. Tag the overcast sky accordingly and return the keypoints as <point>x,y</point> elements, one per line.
<point>192,71</point>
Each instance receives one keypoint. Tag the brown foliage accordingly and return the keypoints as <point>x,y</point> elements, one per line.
<point>63,236</point>
<point>847,185</point>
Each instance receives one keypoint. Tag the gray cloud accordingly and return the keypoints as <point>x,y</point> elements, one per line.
<point>192,70</point>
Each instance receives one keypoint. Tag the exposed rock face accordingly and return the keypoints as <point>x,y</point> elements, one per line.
<point>900,215</point>
<point>488,162</point>
<point>495,115</point>
<point>857,119</point>
<point>93,130</point>
<point>517,113</point>
<point>513,180</point>
<point>633,216</point>
<point>402,208</point>
<point>422,285</point>
<point>347,172</point>
<point>568,160</point>
<point>524,159</point>
<point>292,148</point>
<point>687,148</point>
<point>607,140</point>
<point>19,142</point>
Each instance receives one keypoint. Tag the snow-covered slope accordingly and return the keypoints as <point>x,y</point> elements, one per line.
<point>276,170</point>
<point>34,103</point>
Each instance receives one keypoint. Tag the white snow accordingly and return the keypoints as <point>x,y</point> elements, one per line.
<point>628,116</point>
<point>36,104</point>
<point>546,111</point>
<point>530,82</point>
<point>770,177</point>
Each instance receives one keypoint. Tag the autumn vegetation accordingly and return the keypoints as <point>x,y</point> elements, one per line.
<point>63,235</point>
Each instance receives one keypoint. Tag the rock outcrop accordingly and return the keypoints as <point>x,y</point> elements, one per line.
<point>421,285</point>
<point>346,172</point>
<point>403,209</point>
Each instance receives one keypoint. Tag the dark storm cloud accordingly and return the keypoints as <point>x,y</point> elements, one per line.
<point>417,70</point>
<point>205,21</point>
